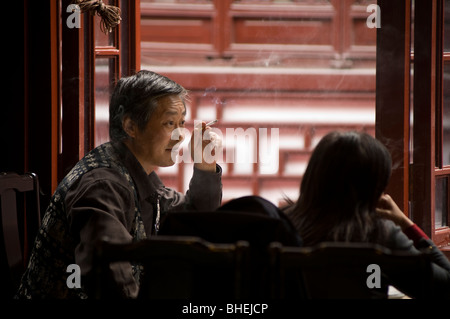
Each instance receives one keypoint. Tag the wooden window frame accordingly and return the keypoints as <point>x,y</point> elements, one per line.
<point>77,112</point>
<point>428,84</point>
<point>413,182</point>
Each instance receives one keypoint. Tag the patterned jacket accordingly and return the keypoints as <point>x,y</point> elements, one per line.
<point>59,242</point>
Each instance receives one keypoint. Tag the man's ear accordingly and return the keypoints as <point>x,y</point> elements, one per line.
<point>129,126</point>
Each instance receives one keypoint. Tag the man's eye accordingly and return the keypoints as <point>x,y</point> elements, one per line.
<point>182,123</point>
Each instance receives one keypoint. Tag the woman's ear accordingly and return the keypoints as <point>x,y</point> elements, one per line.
<point>129,126</point>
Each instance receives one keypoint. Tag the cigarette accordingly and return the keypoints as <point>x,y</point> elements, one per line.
<point>212,122</point>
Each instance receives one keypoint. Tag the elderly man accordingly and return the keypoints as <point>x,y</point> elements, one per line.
<point>114,190</point>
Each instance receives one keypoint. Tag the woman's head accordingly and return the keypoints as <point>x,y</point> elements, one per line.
<point>347,167</point>
<point>344,179</point>
<point>137,97</point>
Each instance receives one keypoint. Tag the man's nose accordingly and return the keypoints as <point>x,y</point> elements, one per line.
<point>178,134</point>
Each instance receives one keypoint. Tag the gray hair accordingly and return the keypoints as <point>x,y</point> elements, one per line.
<point>137,96</point>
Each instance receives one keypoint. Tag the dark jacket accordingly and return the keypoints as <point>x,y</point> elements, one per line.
<point>414,241</point>
<point>107,193</point>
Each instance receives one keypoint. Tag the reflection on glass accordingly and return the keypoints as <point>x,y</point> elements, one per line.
<point>104,71</point>
<point>447,26</point>
<point>180,1</point>
<point>441,207</point>
<point>411,114</point>
<point>282,1</point>
<point>446,115</point>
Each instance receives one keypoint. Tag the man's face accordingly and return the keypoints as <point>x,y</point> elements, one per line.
<point>154,143</point>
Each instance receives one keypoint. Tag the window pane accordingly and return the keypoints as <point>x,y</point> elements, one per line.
<point>104,77</point>
<point>447,26</point>
<point>180,1</point>
<point>278,74</point>
<point>101,38</point>
<point>282,1</point>
<point>446,115</point>
<point>441,209</point>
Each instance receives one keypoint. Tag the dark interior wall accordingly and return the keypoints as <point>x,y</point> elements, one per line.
<point>26,129</point>
<point>12,132</point>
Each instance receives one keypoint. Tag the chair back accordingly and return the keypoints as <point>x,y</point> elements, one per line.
<point>249,218</point>
<point>179,267</point>
<point>334,270</point>
<point>20,221</point>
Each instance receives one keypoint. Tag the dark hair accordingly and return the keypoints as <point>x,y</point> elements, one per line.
<point>137,96</point>
<point>345,177</point>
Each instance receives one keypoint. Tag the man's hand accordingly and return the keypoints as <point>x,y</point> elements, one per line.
<point>204,144</point>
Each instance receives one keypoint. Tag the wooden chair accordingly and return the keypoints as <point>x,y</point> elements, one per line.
<point>179,267</point>
<point>20,221</point>
<point>341,271</point>
<point>249,218</point>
